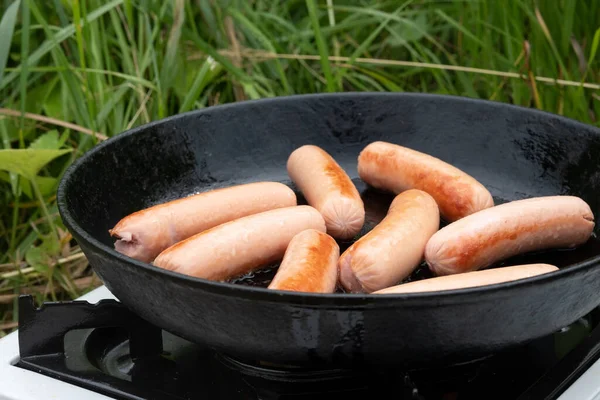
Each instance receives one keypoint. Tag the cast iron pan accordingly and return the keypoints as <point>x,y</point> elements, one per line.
<point>516,152</point>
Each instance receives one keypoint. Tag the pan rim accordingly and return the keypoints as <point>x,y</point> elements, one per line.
<point>303,298</point>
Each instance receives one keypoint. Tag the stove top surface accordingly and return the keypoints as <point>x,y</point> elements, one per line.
<point>109,351</point>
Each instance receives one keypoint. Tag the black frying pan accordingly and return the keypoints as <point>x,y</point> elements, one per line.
<point>515,152</point>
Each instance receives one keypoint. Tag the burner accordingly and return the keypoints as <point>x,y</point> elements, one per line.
<point>271,381</point>
<point>284,373</point>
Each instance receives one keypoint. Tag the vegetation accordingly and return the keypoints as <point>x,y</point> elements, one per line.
<point>73,72</point>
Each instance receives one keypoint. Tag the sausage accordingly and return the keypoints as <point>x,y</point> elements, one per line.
<point>144,234</point>
<point>394,248</point>
<point>309,264</point>
<point>517,227</point>
<point>240,246</point>
<point>395,168</point>
<point>471,279</point>
<point>329,189</point>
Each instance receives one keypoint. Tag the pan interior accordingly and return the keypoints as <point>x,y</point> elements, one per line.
<point>515,152</point>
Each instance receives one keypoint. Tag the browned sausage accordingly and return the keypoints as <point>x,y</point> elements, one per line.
<point>309,264</point>
<point>500,232</point>
<point>394,248</point>
<point>329,189</point>
<point>395,168</point>
<point>240,246</point>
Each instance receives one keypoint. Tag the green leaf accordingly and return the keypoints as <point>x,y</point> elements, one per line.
<point>50,245</point>
<point>37,258</point>
<point>40,257</point>
<point>36,96</point>
<point>63,138</point>
<point>27,162</point>
<point>53,105</point>
<point>46,184</point>
<point>404,32</point>
<point>48,140</point>
<point>7,27</point>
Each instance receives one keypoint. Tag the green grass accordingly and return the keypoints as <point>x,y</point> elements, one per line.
<point>88,69</point>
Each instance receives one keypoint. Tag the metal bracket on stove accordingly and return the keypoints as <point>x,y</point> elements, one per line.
<point>42,330</point>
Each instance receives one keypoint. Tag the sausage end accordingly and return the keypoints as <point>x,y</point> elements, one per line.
<point>128,245</point>
<point>344,217</point>
<point>347,278</point>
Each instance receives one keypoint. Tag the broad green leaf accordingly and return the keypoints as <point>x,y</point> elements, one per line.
<point>50,245</point>
<point>27,162</point>
<point>37,258</point>
<point>7,27</point>
<point>48,140</point>
<point>63,138</point>
<point>46,184</point>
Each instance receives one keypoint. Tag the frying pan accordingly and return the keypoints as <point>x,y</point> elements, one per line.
<point>515,152</point>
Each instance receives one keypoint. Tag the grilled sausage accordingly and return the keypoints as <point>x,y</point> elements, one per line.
<point>329,189</point>
<point>517,227</point>
<point>309,264</point>
<point>395,168</point>
<point>394,248</point>
<point>471,279</point>
<point>240,246</point>
<point>144,234</point>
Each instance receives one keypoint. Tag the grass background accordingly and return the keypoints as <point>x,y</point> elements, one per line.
<point>73,72</point>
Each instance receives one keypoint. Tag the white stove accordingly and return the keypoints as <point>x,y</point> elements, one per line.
<point>17,383</point>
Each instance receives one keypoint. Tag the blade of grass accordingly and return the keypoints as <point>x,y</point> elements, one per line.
<point>262,38</point>
<point>548,35</point>
<point>24,54</point>
<point>7,27</point>
<point>129,12</point>
<point>169,67</point>
<point>324,54</point>
<point>593,51</point>
<point>196,88</point>
<point>56,39</point>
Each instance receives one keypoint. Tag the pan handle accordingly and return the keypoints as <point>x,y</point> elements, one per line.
<point>42,330</point>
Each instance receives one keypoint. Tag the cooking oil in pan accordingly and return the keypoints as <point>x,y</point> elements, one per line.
<point>376,206</point>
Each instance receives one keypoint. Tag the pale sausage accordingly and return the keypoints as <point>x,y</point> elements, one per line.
<point>509,229</point>
<point>240,246</point>
<point>396,168</point>
<point>471,279</point>
<point>309,264</point>
<point>394,248</point>
<point>328,188</point>
<point>144,234</point>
